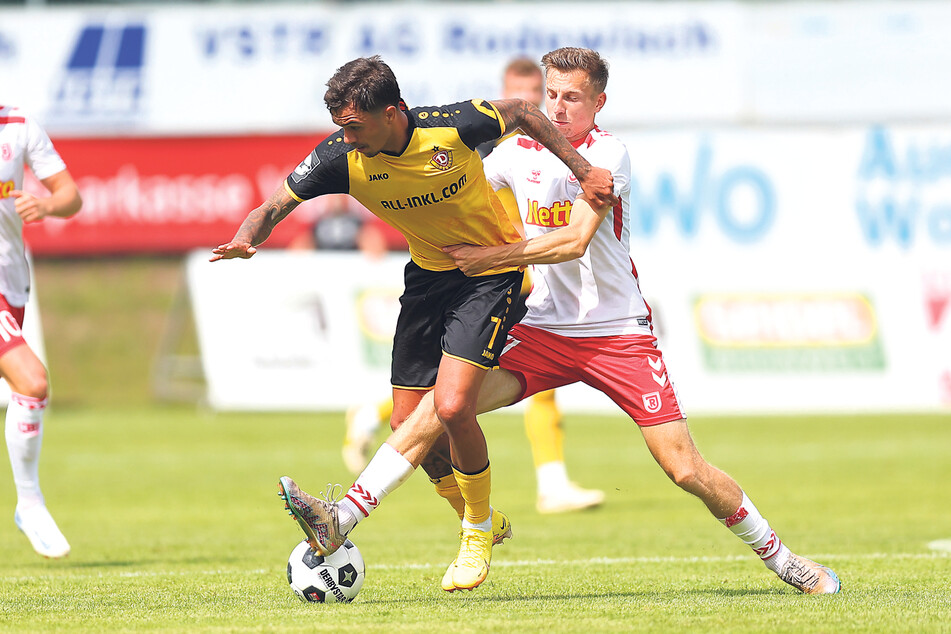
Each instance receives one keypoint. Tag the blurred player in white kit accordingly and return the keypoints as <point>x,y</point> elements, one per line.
<point>24,142</point>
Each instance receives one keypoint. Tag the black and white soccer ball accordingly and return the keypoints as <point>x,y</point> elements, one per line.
<point>333,579</point>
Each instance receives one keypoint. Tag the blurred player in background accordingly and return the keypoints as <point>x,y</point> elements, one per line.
<point>345,225</point>
<point>23,142</point>
<point>587,320</point>
<point>418,170</point>
<point>556,493</point>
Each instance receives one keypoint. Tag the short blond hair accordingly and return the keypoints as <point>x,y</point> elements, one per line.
<point>569,58</point>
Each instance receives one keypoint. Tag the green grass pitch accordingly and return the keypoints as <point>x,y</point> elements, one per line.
<point>175,524</point>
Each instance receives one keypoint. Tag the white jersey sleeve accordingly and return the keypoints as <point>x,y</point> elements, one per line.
<point>496,165</point>
<point>41,156</point>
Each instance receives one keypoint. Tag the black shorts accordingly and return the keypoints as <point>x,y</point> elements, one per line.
<point>445,312</point>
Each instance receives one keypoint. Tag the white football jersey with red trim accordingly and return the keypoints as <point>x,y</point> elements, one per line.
<point>22,141</point>
<point>594,295</point>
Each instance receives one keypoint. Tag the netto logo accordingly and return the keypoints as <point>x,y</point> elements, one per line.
<point>102,80</point>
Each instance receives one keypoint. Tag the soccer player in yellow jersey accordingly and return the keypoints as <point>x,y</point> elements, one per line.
<point>584,251</point>
<point>418,170</point>
<point>556,493</point>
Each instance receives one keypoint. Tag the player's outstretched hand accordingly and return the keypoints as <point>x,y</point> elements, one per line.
<point>598,184</point>
<point>231,250</point>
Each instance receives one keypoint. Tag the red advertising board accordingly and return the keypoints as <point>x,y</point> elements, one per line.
<point>171,195</point>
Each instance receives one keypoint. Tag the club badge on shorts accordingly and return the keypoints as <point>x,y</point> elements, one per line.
<point>652,402</point>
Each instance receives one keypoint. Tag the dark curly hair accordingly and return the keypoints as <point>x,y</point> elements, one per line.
<point>366,83</point>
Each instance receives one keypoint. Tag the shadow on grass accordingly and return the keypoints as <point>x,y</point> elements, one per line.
<point>147,566</point>
<point>646,596</point>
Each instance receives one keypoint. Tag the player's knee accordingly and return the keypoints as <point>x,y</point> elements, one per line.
<point>453,411</point>
<point>34,384</point>
<point>684,474</point>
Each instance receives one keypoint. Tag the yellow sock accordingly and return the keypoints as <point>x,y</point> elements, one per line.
<point>384,410</point>
<point>543,428</point>
<point>448,489</point>
<point>475,491</point>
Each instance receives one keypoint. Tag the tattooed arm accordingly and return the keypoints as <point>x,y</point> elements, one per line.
<point>257,227</point>
<point>596,182</point>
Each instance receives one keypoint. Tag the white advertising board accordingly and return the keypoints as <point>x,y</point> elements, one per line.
<point>788,271</point>
<point>262,67</point>
<point>799,270</point>
<point>241,68</point>
<point>848,61</point>
<point>295,330</point>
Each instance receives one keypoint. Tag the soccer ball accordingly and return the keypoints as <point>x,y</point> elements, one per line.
<point>332,579</point>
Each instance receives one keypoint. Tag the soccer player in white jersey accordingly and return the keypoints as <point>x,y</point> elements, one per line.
<point>586,321</point>
<point>23,142</point>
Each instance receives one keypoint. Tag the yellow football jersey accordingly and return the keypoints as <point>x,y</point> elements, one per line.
<point>434,192</point>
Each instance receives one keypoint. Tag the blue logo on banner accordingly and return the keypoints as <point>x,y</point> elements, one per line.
<point>240,42</point>
<point>903,192</point>
<point>8,49</point>
<point>102,81</point>
<point>740,201</point>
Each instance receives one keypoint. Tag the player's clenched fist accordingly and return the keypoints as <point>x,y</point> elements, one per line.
<point>598,183</point>
<point>29,207</point>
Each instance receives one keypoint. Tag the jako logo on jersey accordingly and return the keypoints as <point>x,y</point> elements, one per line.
<point>557,215</point>
<point>6,188</point>
<point>103,78</point>
<point>652,402</point>
<point>442,159</point>
<point>378,177</point>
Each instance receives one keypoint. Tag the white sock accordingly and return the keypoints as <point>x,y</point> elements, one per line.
<point>754,530</point>
<point>386,472</point>
<point>24,434</point>
<point>552,478</point>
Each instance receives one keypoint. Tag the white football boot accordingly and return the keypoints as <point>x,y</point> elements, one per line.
<point>569,498</point>
<point>38,526</point>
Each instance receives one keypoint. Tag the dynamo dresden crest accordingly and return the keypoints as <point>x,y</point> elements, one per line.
<point>442,159</point>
